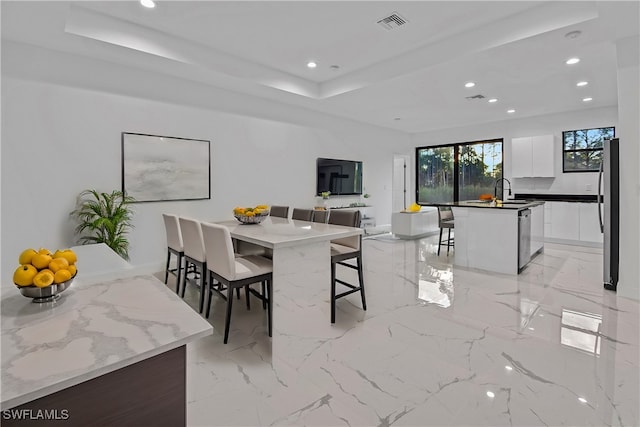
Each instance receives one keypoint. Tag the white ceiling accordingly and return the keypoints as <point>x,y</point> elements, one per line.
<point>514,51</point>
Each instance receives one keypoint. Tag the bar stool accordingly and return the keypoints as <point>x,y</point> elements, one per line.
<point>194,254</point>
<point>445,220</point>
<point>342,250</point>
<point>234,272</point>
<point>174,246</point>
<point>302,214</point>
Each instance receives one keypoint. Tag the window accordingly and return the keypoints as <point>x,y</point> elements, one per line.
<point>453,172</point>
<point>582,149</point>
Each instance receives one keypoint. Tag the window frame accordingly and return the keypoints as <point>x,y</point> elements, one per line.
<point>456,167</point>
<point>581,150</point>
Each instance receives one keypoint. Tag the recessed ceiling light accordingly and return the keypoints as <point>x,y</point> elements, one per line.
<point>587,99</point>
<point>583,83</point>
<point>311,64</point>
<point>148,3</point>
<point>491,394</point>
<point>572,61</point>
<point>508,368</point>
<point>469,84</point>
<point>582,399</point>
<point>492,100</point>
<point>511,111</point>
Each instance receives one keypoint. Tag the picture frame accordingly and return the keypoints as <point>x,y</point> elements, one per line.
<point>165,168</point>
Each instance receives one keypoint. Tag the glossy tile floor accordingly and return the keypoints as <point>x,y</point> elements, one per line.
<point>438,345</point>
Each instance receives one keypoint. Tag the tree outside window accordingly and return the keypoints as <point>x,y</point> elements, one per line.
<point>582,149</point>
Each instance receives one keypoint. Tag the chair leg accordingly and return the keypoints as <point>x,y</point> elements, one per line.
<point>166,270</point>
<point>238,292</point>
<point>247,295</point>
<point>210,295</point>
<point>361,280</point>
<point>448,241</point>
<point>179,275</point>
<point>184,280</point>
<point>439,242</point>
<point>264,294</point>
<point>203,283</point>
<point>269,304</point>
<point>333,292</point>
<point>227,319</point>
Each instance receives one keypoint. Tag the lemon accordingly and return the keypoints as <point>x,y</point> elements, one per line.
<point>264,207</point>
<point>41,260</point>
<point>67,254</point>
<point>250,213</point>
<point>238,211</point>
<point>26,256</point>
<point>58,264</point>
<point>43,279</point>
<point>61,276</point>
<point>73,270</point>
<point>44,251</point>
<point>23,276</point>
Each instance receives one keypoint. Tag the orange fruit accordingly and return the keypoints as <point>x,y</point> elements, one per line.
<point>41,260</point>
<point>73,270</point>
<point>26,256</point>
<point>67,254</point>
<point>23,276</point>
<point>58,264</point>
<point>61,276</point>
<point>43,279</point>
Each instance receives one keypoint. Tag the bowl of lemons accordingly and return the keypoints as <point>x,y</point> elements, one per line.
<point>43,275</point>
<point>253,215</point>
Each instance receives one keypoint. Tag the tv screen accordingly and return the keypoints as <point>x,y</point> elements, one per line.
<point>340,177</point>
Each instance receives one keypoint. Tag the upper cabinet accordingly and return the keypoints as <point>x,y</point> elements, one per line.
<point>532,156</point>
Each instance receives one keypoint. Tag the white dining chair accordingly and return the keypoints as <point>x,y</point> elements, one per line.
<point>194,254</point>
<point>174,247</point>
<point>342,250</point>
<point>234,272</point>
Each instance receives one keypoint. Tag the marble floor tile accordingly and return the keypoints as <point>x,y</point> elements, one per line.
<point>438,346</point>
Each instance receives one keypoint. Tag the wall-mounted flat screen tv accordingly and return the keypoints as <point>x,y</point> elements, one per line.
<point>340,177</point>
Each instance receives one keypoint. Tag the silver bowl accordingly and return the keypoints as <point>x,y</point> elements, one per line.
<point>48,294</point>
<point>251,219</point>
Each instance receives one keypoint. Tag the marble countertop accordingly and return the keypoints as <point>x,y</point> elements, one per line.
<point>280,232</point>
<point>97,326</point>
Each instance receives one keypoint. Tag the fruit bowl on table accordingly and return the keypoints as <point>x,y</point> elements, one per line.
<point>46,294</point>
<point>255,219</point>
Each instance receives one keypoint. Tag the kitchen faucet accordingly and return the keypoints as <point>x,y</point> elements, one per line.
<point>495,187</point>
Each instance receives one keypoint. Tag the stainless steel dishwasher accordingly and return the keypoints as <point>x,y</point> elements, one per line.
<point>524,237</point>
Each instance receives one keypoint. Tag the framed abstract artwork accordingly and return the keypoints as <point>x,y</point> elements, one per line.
<point>163,168</point>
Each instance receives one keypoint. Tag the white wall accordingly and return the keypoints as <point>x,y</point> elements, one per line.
<point>58,140</point>
<point>629,132</point>
<point>563,183</point>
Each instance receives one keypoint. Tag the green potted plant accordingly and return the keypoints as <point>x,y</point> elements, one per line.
<point>104,218</point>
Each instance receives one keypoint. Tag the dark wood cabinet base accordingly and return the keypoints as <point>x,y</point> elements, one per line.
<point>148,393</point>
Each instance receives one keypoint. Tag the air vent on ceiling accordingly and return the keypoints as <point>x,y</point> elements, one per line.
<point>478,96</point>
<point>392,21</point>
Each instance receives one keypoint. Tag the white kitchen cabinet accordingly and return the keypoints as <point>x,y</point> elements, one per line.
<point>565,221</point>
<point>532,156</point>
<point>537,228</point>
<point>589,223</point>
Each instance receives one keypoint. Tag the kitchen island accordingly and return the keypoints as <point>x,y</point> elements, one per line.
<point>501,238</point>
<point>109,351</point>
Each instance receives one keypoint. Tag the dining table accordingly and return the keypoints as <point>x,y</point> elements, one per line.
<point>301,277</point>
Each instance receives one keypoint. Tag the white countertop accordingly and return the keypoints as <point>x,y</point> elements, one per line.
<point>93,328</point>
<point>280,232</point>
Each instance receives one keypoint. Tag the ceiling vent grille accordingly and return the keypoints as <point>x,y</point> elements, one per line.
<point>478,96</point>
<point>392,21</point>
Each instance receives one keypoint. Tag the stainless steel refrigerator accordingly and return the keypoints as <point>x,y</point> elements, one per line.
<point>609,210</point>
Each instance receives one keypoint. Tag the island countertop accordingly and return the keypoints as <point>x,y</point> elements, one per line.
<point>517,205</point>
<point>94,328</point>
